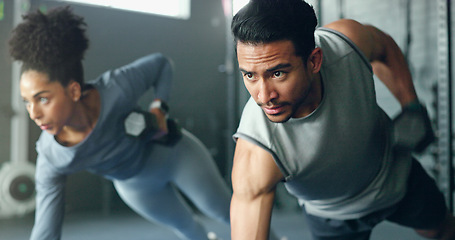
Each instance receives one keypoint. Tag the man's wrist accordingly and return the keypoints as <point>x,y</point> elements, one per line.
<point>414,105</point>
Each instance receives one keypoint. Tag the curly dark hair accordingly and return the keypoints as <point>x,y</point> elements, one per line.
<point>52,43</point>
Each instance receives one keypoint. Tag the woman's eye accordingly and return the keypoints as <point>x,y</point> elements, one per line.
<point>44,100</point>
<point>26,103</point>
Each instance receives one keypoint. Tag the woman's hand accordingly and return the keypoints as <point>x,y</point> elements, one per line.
<point>162,123</point>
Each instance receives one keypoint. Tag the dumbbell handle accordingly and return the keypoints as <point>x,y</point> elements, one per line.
<point>173,135</point>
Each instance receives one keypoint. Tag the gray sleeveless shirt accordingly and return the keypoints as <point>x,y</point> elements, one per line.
<point>338,161</point>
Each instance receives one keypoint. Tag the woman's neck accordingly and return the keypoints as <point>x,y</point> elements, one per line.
<point>84,119</point>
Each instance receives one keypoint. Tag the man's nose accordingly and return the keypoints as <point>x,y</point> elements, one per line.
<point>266,92</point>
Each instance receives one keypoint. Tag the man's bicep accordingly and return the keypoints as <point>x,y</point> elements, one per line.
<point>254,171</point>
<point>254,179</point>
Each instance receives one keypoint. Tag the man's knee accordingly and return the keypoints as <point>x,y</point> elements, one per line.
<point>444,231</point>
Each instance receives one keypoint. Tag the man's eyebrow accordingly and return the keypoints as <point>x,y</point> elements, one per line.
<point>279,66</point>
<point>272,69</point>
<point>243,70</point>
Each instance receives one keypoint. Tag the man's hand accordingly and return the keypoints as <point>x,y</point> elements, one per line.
<point>412,130</point>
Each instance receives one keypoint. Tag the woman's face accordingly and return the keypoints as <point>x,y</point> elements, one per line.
<point>48,103</point>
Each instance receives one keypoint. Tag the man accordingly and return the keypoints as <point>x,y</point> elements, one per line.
<point>313,122</point>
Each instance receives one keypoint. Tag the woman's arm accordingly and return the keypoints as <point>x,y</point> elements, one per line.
<point>136,78</point>
<point>154,70</point>
<point>50,203</point>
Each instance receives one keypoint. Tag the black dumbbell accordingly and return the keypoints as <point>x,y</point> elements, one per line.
<point>412,130</point>
<point>174,133</point>
<point>143,124</point>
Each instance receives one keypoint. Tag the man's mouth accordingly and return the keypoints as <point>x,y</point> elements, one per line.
<point>273,110</point>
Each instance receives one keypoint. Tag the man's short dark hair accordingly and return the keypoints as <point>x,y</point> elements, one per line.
<point>265,21</point>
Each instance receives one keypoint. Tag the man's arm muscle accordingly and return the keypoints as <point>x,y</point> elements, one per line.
<point>254,179</point>
<point>386,58</point>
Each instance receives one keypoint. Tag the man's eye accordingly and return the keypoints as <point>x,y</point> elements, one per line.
<point>278,74</point>
<point>248,75</point>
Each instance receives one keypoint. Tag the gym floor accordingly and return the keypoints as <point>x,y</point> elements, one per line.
<point>127,225</point>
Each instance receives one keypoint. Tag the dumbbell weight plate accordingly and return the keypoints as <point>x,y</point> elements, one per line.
<point>140,123</point>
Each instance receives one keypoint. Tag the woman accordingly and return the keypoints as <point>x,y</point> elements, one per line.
<point>83,129</point>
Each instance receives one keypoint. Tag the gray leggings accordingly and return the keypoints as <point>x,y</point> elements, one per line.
<point>186,167</point>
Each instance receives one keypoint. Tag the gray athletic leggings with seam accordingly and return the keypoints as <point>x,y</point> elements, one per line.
<point>187,167</point>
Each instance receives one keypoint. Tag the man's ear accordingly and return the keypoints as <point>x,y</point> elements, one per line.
<point>315,60</point>
<point>74,90</point>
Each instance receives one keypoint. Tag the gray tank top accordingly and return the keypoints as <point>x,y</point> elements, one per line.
<point>337,161</point>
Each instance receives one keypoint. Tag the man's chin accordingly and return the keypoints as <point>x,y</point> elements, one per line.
<point>278,118</point>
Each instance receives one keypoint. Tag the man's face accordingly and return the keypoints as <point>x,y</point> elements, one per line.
<point>277,79</point>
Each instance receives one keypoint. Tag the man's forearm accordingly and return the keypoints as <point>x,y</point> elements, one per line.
<point>250,220</point>
<point>390,66</point>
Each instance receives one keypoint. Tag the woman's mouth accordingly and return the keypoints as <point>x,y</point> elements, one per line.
<point>44,127</point>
